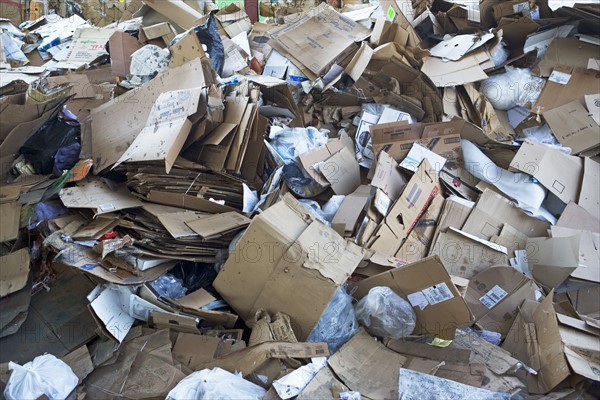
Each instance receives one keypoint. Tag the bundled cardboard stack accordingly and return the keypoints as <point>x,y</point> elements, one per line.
<point>184,191</point>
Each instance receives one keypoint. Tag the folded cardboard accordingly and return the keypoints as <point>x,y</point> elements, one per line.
<point>274,258</point>
<point>113,128</point>
<point>218,224</point>
<point>589,198</point>
<point>166,129</point>
<point>493,210</point>
<point>318,38</point>
<point>177,11</point>
<point>589,253</point>
<point>561,174</point>
<point>577,83</point>
<point>10,214</point>
<point>313,158</point>
<point>97,195</point>
<point>122,46</point>
<point>495,295</point>
<point>552,260</point>
<point>555,350</point>
<point>455,212</point>
<point>387,176</point>
<point>86,46</point>
<point>428,287</point>
<point>342,172</point>
<point>466,255</point>
<point>406,211</point>
<point>569,52</point>
<point>576,217</point>
<point>419,241</point>
<point>351,209</point>
<point>573,126</point>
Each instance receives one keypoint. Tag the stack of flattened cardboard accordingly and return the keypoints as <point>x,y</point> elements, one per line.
<point>187,193</point>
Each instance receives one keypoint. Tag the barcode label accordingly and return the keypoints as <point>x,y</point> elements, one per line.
<point>493,297</point>
<point>437,293</point>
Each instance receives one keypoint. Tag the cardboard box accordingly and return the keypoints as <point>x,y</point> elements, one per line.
<point>556,348</point>
<point>406,211</point>
<point>427,286</point>
<point>419,241</point>
<point>495,295</point>
<point>274,258</point>
<point>466,255</point>
<point>559,173</point>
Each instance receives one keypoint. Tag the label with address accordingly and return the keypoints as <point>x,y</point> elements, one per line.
<point>430,296</point>
<point>493,297</point>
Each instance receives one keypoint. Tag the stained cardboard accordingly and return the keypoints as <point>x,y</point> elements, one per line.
<point>287,229</point>
<point>427,285</point>
<point>86,46</point>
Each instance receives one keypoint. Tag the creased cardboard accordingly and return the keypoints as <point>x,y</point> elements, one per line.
<point>559,173</point>
<point>361,358</point>
<point>122,46</point>
<point>552,260</point>
<point>387,176</point>
<point>427,285</point>
<point>10,214</point>
<point>96,195</point>
<point>573,126</point>
<point>589,198</point>
<point>342,171</point>
<point>166,130</point>
<point>115,126</point>
<point>407,210</point>
<point>351,209</point>
<point>86,46</point>
<point>589,252</point>
<point>289,267</point>
<point>495,295</point>
<point>182,14</point>
<point>465,255</point>
<point>318,39</point>
<point>580,83</point>
<point>218,224</point>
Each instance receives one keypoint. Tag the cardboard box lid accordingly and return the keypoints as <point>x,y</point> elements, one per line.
<point>14,271</point>
<point>277,245</point>
<point>363,358</point>
<point>559,173</point>
<point>426,284</point>
<point>113,129</point>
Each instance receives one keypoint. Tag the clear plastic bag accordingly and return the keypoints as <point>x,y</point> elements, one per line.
<point>385,314</point>
<point>169,286</point>
<point>45,375</point>
<point>338,323</point>
<point>289,143</point>
<point>326,213</point>
<point>215,384</point>
<point>515,87</point>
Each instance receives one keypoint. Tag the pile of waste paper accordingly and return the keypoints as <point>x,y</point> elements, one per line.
<point>389,199</point>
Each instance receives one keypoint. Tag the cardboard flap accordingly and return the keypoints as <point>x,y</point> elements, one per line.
<point>98,196</point>
<point>14,271</point>
<point>552,260</point>
<point>426,284</point>
<point>217,224</point>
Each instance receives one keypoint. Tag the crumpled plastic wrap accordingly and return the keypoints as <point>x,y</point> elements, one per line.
<point>215,384</point>
<point>386,314</point>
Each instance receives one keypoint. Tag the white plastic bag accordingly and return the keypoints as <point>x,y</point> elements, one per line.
<point>45,375</point>
<point>385,314</point>
<point>215,384</point>
<point>515,87</point>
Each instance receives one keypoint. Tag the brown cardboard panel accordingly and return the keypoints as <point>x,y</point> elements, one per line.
<point>14,271</point>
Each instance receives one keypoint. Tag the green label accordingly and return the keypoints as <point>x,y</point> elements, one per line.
<point>391,14</point>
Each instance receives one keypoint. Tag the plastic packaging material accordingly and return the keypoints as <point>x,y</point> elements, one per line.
<point>326,213</point>
<point>515,87</point>
<point>543,135</point>
<point>215,384</point>
<point>492,337</point>
<point>385,314</point>
<point>338,323</point>
<point>208,35</point>
<point>45,375</point>
<point>41,148</point>
<point>500,55</point>
<point>289,143</point>
<point>169,286</point>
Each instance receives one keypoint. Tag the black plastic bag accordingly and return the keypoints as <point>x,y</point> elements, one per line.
<point>40,149</point>
<point>208,34</point>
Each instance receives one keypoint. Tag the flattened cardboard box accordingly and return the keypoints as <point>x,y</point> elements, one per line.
<point>427,286</point>
<point>273,260</point>
<point>14,271</point>
<point>495,295</point>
